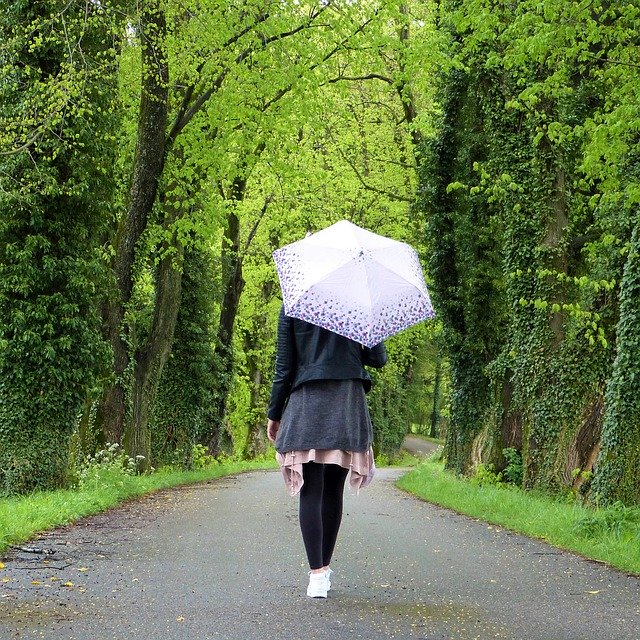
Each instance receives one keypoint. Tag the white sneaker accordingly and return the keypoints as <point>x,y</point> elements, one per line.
<point>317,585</point>
<point>328,574</point>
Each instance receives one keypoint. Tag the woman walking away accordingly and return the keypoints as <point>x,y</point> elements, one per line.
<point>319,421</point>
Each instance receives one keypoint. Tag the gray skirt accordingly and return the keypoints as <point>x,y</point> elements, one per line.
<point>326,414</point>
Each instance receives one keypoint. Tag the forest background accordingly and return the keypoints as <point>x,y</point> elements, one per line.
<point>153,155</point>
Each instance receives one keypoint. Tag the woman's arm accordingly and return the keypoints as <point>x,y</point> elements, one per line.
<point>285,367</point>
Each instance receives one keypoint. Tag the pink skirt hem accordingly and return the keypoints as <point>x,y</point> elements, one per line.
<point>360,463</point>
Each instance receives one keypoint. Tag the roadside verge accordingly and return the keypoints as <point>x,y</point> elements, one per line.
<point>23,517</point>
<point>611,536</point>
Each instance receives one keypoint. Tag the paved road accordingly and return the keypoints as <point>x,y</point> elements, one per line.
<point>224,561</point>
<point>419,446</point>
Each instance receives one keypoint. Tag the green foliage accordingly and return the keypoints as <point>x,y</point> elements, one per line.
<point>514,470</point>
<point>485,474</point>
<point>618,521</point>
<point>429,390</point>
<point>55,196</point>
<point>389,405</point>
<point>201,458</point>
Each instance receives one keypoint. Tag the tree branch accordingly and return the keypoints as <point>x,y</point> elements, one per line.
<point>24,146</point>
<point>252,233</point>
<point>187,114</point>
<point>178,123</point>
<point>368,187</point>
<point>370,76</point>
<point>610,61</point>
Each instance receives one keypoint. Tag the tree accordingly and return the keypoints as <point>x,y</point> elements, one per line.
<point>57,98</point>
<point>546,84</point>
<point>616,472</point>
<point>202,130</point>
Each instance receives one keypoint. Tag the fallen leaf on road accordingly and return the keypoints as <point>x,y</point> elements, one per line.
<point>36,582</point>
<point>180,619</point>
<point>1,565</point>
<point>6,579</point>
<point>83,569</point>
<point>593,593</point>
<point>67,584</point>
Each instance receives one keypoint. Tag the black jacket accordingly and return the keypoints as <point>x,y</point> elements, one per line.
<point>307,352</point>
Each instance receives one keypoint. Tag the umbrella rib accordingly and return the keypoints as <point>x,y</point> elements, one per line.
<point>368,290</point>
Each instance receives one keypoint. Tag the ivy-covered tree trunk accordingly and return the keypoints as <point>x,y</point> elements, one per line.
<point>258,333</point>
<point>553,396</point>
<point>184,406</point>
<point>434,418</point>
<point>232,286</point>
<point>551,388</point>
<point>257,442</point>
<point>55,192</point>
<point>616,477</point>
<point>461,263</point>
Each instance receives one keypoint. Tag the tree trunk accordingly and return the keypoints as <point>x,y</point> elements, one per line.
<point>511,420</point>
<point>257,437</point>
<point>402,86</point>
<point>553,241</point>
<point>258,333</point>
<point>150,361</point>
<point>233,285</point>
<point>147,169</point>
<point>616,477</point>
<point>543,431</point>
<point>435,411</point>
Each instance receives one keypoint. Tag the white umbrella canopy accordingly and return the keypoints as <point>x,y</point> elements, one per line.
<point>353,282</point>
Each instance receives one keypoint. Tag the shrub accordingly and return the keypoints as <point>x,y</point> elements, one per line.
<point>513,472</point>
<point>110,465</point>
<point>485,475</point>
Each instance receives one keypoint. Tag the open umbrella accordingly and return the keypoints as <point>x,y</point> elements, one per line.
<point>353,282</point>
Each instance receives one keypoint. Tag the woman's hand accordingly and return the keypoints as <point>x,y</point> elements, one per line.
<point>272,429</point>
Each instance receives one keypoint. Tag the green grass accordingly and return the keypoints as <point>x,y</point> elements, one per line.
<point>607,535</point>
<point>22,518</point>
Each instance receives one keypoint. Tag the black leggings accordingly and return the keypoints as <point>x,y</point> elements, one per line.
<point>321,510</point>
